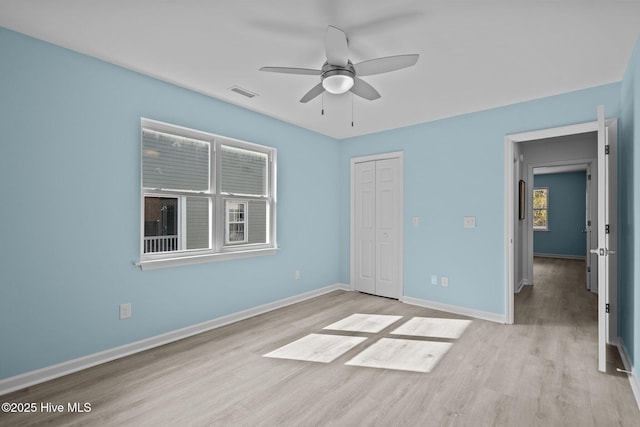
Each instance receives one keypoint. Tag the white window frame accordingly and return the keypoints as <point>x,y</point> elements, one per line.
<point>219,248</point>
<point>540,228</point>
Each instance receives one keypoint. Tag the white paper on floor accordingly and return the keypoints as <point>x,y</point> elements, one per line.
<point>317,348</point>
<point>433,327</point>
<point>404,355</point>
<point>370,323</point>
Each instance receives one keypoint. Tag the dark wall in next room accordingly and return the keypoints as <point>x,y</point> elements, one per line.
<point>566,215</point>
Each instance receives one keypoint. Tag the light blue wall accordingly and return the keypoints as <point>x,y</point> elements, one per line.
<point>567,215</point>
<point>455,168</point>
<point>70,211</point>
<point>629,209</point>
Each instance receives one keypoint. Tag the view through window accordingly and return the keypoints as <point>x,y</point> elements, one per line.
<point>540,208</point>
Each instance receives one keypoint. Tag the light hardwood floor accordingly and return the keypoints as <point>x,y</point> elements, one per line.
<point>542,371</point>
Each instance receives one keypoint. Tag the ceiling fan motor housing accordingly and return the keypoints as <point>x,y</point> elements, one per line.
<point>337,79</point>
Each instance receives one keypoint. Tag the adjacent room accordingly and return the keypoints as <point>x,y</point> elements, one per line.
<point>319,213</point>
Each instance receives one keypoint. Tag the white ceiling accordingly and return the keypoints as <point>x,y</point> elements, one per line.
<point>474,55</point>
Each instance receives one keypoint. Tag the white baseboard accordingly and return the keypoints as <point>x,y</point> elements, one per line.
<point>633,377</point>
<point>27,379</point>
<point>522,284</point>
<point>464,311</point>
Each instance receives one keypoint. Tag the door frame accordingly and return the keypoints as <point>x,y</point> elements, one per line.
<point>370,158</point>
<point>510,180</point>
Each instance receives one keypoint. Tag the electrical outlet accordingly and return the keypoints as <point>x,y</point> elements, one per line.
<point>297,275</point>
<point>434,280</point>
<point>444,281</point>
<point>125,311</point>
<point>469,222</point>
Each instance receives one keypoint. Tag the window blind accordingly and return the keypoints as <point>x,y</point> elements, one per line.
<point>173,162</point>
<point>257,221</point>
<point>243,172</point>
<point>197,211</point>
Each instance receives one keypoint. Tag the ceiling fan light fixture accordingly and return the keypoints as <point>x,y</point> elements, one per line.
<point>337,81</point>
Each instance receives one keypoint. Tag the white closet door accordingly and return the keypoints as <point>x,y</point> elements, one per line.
<point>378,207</point>
<point>387,228</point>
<point>365,227</point>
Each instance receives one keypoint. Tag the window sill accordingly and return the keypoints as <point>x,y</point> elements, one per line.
<point>154,264</point>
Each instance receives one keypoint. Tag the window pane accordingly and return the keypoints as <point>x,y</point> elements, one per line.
<point>246,222</point>
<point>174,162</point>
<point>243,172</point>
<point>160,224</point>
<point>540,198</point>
<point>197,213</point>
<point>540,218</point>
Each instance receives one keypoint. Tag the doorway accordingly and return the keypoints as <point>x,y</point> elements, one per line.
<point>376,224</point>
<point>516,230</point>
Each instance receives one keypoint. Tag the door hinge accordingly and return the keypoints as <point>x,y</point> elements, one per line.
<point>606,229</point>
<point>588,269</point>
<point>589,177</point>
<point>606,149</point>
<point>607,308</point>
<point>589,223</point>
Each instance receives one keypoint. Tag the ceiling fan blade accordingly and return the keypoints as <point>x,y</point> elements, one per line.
<point>336,47</point>
<point>364,89</point>
<point>315,91</point>
<point>290,70</point>
<point>384,65</point>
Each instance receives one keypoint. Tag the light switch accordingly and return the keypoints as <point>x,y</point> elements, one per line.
<point>416,221</point>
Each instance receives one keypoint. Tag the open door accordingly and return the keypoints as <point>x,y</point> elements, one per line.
<point>603,250</point>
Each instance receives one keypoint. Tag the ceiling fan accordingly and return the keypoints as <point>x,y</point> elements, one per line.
<point>339,75</point>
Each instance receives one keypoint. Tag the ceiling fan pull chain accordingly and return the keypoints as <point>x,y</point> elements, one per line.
<point>351,109</point>
<point>323,103</point>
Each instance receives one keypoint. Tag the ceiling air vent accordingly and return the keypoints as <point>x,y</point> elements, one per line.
<point>243,92</point>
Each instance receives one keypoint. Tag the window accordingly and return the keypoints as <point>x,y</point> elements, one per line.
<point>541,209</point>
<point>205,197</point>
